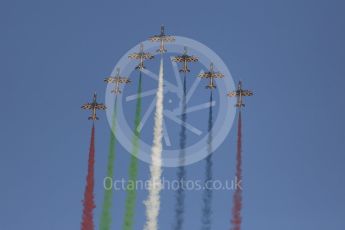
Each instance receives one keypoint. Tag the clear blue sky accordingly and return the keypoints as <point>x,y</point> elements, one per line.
<point>54,54</point>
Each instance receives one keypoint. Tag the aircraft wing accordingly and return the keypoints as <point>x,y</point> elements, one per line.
<point>247,93</point>
<point>134,56</point>
<point>165,38</point>
<point>185,58</point>
<point>191,59</point>
<point>87,106</point>
<point>109,79</point>
<point>232,94</point>
<point>218,75</point>
<point>155,38</point>
<point>178,59</point>
<point>168,38</point>
<point>125,80</point>
<point>100,106</point>
<point>205,75</point>
<point>147,55</point>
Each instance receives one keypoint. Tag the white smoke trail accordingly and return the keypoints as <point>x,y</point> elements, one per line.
<point>153,201</point>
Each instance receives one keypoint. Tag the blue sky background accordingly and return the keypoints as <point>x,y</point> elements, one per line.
<point>54,54</point>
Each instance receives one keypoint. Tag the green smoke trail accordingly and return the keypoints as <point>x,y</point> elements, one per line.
<point>133,167</point>
<point>105,222</point>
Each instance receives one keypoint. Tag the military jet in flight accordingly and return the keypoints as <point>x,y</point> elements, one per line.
<point>185,59</point>
<point>240,93</point>
<point>117,80</point>
<point>211,74</point>
<point>94,106</point>
<point>141,56</point>
<point>162,38</point>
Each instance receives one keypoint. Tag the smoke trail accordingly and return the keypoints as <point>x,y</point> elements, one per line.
<point>207,196</point>
<point>133,167</point>
<point>237,198</point>
<point>153,201</point>
<point>105,222</point>
<point>88,202</point>
<point>181,174</point>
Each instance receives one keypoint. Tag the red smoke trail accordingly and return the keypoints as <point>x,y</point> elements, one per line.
<point>88,202</point>
<point>237,198</point>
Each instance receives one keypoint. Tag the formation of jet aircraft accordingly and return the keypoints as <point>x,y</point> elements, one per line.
<point>141,56</point>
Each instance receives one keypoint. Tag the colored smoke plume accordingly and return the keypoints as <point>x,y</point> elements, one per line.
<point>237,197</point>
<point>88,202</point>
<point>207,195</point>
<point>153,201</point>
<point>181,173</point>
<point>133,167</point>
<point>105,222</point>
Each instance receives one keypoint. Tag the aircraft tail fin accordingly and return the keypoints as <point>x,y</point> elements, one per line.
<point>161,50</point>
<point>140,67</point>
<point>211,87</point>
<point>184,70</point>
<point>116,91</point>
<point>239,105</point>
